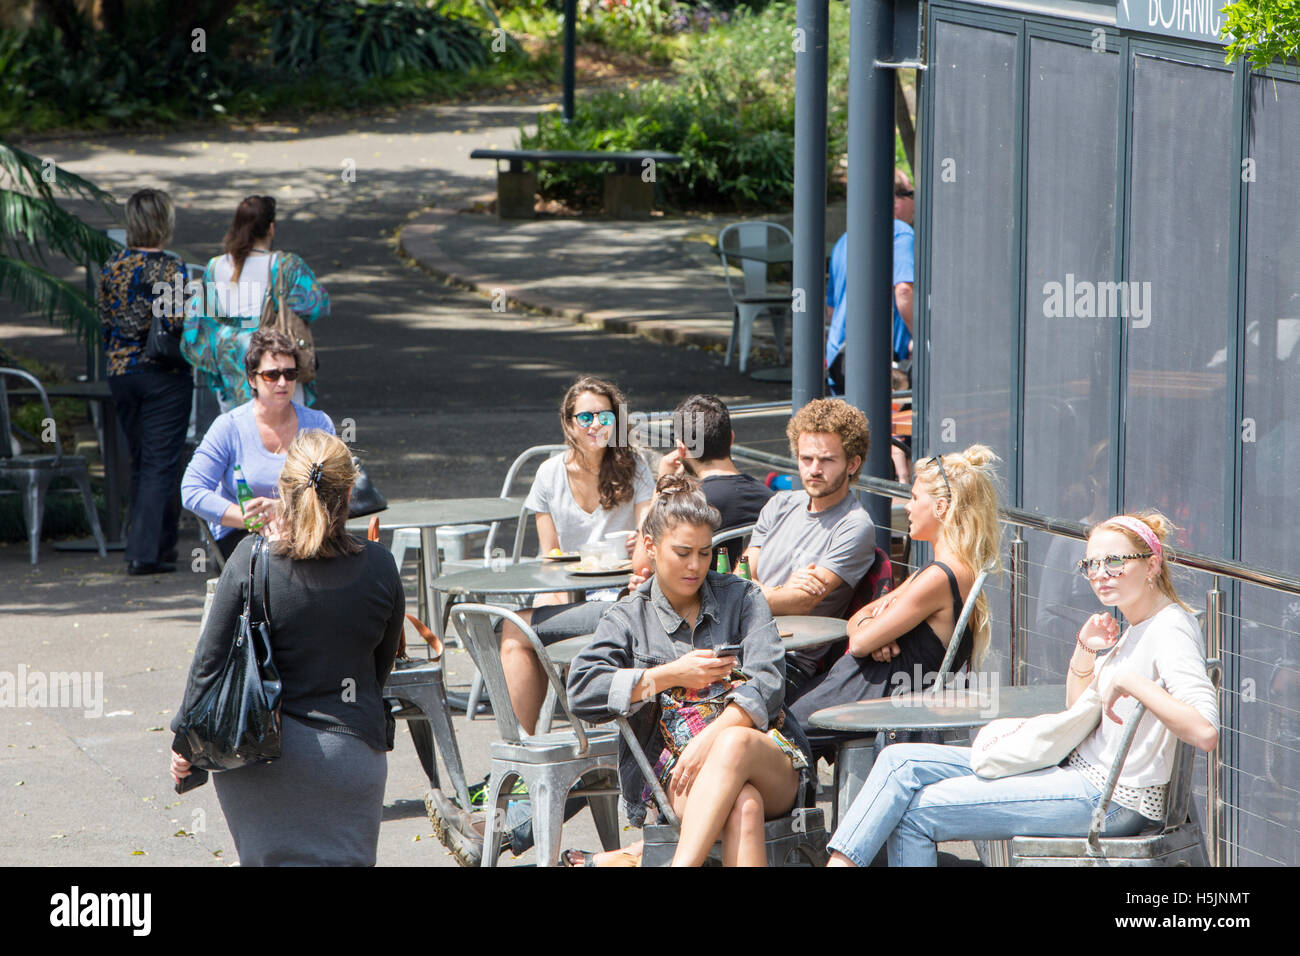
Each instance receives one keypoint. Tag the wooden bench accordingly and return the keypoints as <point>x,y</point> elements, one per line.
<point>629,192</point>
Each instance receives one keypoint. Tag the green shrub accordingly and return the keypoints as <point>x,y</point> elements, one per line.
<point>729,113</point>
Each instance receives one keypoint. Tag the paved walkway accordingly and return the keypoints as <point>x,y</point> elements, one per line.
<point>441,391</point>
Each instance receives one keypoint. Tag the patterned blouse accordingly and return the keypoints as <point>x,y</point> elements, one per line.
<point>215,344</point>
<point>126,299</point>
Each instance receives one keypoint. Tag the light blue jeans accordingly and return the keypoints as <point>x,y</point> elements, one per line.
<point>918,795</point>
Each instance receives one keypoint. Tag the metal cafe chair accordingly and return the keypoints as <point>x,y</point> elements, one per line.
<point>549,764</point>
<point>1177,840</point>
<point>33,473</point>
<point>753,296</point>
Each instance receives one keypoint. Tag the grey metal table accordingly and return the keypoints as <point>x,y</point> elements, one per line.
<point>428,514</point>
<point>941,710</point>
<point>526,577</point>
<point>928,710</point>
<point>809,631</point>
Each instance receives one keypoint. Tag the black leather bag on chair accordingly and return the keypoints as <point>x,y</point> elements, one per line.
<point>366,499</point>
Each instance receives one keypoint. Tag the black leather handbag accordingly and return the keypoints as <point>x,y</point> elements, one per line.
<point>366,499</point>
<point>237,720</point>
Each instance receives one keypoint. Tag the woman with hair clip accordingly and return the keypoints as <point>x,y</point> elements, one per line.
<point>335,606</point>
<point>236,286</point>
<point>920,794</point>
<point>660,649</point>
<point>954,506</point>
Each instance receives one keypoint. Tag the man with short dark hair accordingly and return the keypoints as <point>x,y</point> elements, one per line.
<point>704,439</point>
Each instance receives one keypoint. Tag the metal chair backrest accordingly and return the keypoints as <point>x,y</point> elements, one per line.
<point>727,536</point>
<point>748,235</point>
<point>537,451</point>
<point>6,423</point>
<point>967,610</point>
<point>476,623</point>
<point>1179,795</point>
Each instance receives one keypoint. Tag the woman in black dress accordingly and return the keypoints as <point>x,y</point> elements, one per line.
<point>335,605</point>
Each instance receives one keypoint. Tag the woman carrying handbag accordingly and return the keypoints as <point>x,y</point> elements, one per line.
<point>335,605</point>
<point>921,794</point>
<point>246,288</point>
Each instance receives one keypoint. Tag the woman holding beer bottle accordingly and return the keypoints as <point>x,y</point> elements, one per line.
<point>231,480</point>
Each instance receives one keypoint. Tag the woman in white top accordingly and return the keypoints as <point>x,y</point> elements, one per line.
<point>599,486</point>
<point>236,284</point>
<point>921,794</point>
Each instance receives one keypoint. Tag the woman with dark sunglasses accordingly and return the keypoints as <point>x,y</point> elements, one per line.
<point>254,437</point>
<point>920,794</point>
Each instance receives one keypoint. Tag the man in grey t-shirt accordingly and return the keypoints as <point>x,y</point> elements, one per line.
<point>811,548</point>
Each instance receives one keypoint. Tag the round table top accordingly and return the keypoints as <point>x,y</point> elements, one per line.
<point>943,710</point>
<point>810,631</point>
<point>431,512</point>
<point>526,577</point>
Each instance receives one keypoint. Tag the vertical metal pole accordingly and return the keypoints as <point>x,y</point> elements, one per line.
<point>570,32</point>
<point>1214,763</point>
<point>869,319</point>
<point>807,375</point>
<point>1019,609</point>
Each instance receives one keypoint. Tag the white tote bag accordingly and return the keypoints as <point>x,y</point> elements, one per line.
<point>1015,745</point>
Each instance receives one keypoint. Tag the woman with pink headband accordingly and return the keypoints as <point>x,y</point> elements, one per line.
<point>919,795</point>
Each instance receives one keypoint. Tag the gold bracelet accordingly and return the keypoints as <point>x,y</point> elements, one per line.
<point>1087,673</point>
<point>1086,649</point>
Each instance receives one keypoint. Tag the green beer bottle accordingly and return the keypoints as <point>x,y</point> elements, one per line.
<point>724,566</point>
<point>742,569</point>
<point>244,493</point>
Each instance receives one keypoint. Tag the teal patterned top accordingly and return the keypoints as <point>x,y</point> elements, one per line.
<point>215,344</point>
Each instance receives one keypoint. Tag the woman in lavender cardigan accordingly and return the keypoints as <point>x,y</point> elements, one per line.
<point>255,436</point>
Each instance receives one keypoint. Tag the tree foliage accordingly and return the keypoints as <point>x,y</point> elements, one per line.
<point>1262,31</point>
<point>32,223</point>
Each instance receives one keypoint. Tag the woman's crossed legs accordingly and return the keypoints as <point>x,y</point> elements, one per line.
<point>746,780</point>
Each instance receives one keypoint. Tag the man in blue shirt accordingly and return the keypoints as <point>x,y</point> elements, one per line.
<point>836,286</point>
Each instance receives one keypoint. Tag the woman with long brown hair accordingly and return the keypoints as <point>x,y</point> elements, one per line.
<point>236,285</point>
<point>599,486</point>
<point>335,606</point>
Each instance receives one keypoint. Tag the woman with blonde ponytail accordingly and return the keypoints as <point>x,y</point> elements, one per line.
<point>902,638</point>
<point>335,607</point>
<point>921,794</point>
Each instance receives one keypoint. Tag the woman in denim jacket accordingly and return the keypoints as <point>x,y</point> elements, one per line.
<point>745,766</point>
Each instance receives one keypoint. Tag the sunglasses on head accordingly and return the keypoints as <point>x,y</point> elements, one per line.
<point>1112,565</point>
<point>947,488</point>
<point>272,375</point>
<point>584,419</point>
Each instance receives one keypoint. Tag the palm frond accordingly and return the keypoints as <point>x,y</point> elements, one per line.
<point>29,172</point>
<point>42,222</point>
<point>60,302</point>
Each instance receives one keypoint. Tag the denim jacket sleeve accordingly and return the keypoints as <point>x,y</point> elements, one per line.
<point>762,659</point>
<point>603,677</point>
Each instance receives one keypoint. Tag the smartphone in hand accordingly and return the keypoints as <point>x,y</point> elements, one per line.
<point>727,650</point>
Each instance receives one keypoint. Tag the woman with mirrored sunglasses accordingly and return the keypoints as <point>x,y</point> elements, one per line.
<point>921,794</point>
<point>598,487</point>
<point>255,437</point>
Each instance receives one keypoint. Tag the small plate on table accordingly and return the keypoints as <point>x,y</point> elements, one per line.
<point>564,556</point>
<point>622,568</point>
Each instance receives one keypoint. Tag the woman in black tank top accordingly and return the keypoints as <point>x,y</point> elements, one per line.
<point>893,644</point>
